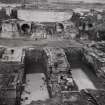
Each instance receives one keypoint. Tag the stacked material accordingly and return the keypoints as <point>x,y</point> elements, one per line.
<point>11,78</point>
<point>60,78</point>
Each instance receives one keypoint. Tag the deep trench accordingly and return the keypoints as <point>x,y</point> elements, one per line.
<point>79,66</point>
<point>36,63</point>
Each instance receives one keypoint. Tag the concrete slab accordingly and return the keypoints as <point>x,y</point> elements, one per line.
<point>15,57</point>
<point>35,89</point>
<point>81,79</point>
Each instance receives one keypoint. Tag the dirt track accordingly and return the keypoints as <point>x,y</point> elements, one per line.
<point>45,42</point>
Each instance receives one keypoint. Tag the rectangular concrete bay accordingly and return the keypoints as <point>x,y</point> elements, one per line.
<point>82,80</point>
<point>35,88</point>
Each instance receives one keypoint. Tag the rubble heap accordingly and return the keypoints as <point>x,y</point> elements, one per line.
<point>60,77</point>
<point>84,97</point>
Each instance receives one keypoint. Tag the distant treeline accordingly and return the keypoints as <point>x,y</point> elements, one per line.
<point>61,2</point>
<point>20,1</point>
<point>11,1</point>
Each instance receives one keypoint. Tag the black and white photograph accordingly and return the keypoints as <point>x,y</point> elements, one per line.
<point>52,52</point>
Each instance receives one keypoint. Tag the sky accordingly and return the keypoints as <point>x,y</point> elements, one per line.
<point>91,1</point>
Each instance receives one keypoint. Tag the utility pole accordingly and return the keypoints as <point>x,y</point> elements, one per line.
<point>23,3</point>
<point>36,3</point>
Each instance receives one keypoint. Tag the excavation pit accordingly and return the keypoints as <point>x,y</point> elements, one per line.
<point>83,74</point>
<point>35,70</point>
